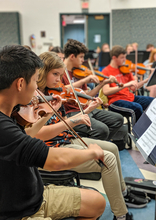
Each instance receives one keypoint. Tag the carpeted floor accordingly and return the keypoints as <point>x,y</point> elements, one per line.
<point>130,169</point>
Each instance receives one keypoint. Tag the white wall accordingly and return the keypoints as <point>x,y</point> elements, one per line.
<point>43,15</point>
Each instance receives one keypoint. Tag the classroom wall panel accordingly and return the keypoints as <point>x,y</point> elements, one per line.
<point>134,25</point>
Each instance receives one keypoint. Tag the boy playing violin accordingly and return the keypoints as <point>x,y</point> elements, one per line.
<point>55,134</point>
<point>121,98</point>
<point>21,188</point>
<point>104,123</point>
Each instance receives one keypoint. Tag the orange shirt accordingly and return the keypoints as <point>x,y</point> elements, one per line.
<point>123,94</point>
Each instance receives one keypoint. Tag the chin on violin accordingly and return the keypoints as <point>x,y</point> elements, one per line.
<point>29,114</point>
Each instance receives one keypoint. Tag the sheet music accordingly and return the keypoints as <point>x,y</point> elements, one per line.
<point>148,140</point>
<point>151,111</point>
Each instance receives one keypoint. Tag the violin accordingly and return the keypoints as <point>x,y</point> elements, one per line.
<point>130,67</point>
<point>29,114</point>
<point>83,72</point>
<point>67,95</point>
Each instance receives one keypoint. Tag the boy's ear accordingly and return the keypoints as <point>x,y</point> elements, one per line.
<point>20,83</point>
<point>114,57</point>
<point>72,56</point>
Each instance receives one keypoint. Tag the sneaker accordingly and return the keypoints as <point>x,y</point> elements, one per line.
<point>128,217</point>
<point>134,201</point>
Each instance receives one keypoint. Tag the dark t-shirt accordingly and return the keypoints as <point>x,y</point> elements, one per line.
<point>68,106</point>
<point>21,186</point>
<point>154,65</point>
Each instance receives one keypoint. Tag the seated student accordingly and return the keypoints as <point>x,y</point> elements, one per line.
<point>129,48</point>
<point>59,52</point>
<point>104,123</point>
<point>21,188</point>
<point>149,47</point>
<point>150,63</point>
<point>105,48</point>
<point>54,134</point>
<point>121,98</point>
<point>135,46</point>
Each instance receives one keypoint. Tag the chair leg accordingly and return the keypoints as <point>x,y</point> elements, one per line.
<point>129,141</point>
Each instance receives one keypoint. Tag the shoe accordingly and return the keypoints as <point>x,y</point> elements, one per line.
<point>128,217</point>
<point>134,201</point>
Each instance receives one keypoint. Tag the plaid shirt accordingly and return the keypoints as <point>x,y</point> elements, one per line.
<point>64,137</point>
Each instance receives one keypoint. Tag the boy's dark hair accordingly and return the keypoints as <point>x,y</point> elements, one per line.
<point>74,47</point>
<point>117,50</point>
<point>17,61</point>
<point>57,50</point>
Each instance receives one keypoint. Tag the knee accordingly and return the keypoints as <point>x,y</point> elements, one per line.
<point>92,204</point>
<point>113,148</point>
<point>119,119</point>
<point>100,204</point>
<point>139,109</point>
<point>110,160</point>
<point>103,133</point>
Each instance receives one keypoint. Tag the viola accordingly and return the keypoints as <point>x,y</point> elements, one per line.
<point>29,114</point>
<point>67,95</point>
<point>130,67</point>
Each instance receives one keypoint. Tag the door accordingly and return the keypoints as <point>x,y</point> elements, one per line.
<point>74,31</point>
<point>98,30</point>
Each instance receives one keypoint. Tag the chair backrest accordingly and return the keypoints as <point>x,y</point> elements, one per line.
<point>103,97</point>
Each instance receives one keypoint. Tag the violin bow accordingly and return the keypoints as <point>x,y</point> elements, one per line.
<point>99,162</point>
<point>136,75</point>
<point>79,104</point>
<point>91,66</point>
<point>136,61</point>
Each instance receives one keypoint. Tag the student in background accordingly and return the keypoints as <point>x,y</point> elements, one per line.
<point>59,52</point>
<point>104,123</point>
<point>104,49</point>
<point>121,98</point>
<point>129,48</point>
<point>135,46</point>
<point>151,63</point>
<point>50,47</point>
<point>149,47</point>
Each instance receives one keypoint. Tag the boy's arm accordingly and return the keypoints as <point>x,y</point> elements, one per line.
<point>88,79</point>
<point>107,90</point>
<point>94,91</point>
<point>67,158</point>
<point>50,131</point>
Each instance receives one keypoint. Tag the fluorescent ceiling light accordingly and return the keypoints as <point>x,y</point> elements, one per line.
<point>79,21</point>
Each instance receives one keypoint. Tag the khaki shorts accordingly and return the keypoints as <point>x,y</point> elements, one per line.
<point>58,202</point>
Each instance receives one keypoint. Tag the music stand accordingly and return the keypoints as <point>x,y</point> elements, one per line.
<point>152,80</point>
<point>142,56</point>
<point>104,59</point>
<point>131,57</point>
<point>92,55</point>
